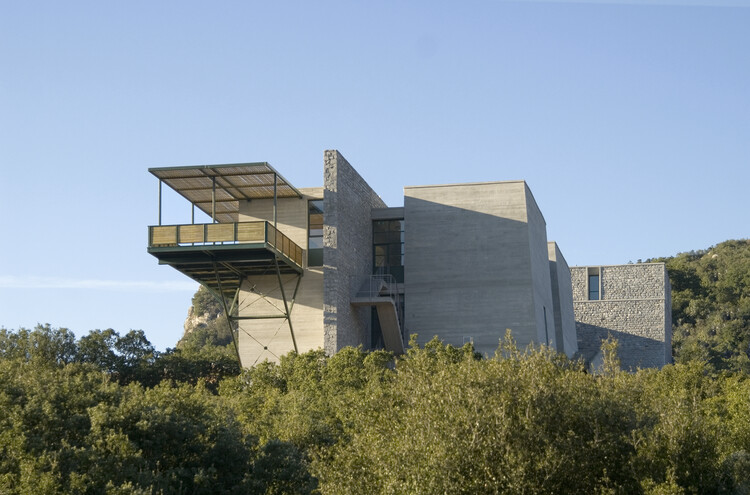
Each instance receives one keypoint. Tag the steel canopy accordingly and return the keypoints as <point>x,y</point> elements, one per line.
<point>217,189</point>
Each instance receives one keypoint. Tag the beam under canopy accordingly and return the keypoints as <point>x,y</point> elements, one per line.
<point>217,189</point>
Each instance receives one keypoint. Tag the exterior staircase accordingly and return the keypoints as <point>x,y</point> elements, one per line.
<point>380,291</point>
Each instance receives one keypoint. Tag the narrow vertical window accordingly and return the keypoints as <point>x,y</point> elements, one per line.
<point>315,233</point>
<point>388,247</point>
<point>594,284</point>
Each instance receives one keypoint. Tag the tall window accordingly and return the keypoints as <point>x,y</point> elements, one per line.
<point>594,294</point>
<point>388,247</point>
<point>315,233</point>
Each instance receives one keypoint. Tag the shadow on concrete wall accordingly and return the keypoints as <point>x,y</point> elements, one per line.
<point>634,351</point>
<point>468,275</point>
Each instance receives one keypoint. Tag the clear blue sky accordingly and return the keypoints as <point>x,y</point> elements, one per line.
<point>630,120</point>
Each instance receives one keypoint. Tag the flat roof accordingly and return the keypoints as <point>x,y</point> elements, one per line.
<point>424,186</point>
<point>232,182</point>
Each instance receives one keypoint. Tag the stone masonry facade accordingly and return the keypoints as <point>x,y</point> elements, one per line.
<point>347,251</point>
<point>633,306</point>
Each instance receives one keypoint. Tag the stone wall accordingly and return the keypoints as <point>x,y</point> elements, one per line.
<point>633,281</point>
<point>347,251</point>
<point>634,307</point>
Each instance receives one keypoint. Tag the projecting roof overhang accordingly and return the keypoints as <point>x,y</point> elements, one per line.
<point>217,189</point>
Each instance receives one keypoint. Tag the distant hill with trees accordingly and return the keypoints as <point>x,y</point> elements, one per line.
<point>711,305</point>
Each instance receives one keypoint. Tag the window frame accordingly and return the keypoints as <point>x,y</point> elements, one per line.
<point>315,254</point>
<point>594,293</point>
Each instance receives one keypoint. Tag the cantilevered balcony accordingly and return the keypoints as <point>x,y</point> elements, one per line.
<point>241,235</point>
<point>220,255</point>
<point>223,253</point>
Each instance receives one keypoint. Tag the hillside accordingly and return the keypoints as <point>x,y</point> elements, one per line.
<point>711,305</point>
<point>206,323</point>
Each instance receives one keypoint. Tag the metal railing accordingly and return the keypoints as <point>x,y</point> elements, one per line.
<point>224,233</point>
<point>375,286</point>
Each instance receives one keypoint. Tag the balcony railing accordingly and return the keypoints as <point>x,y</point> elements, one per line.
<point>223,233</point>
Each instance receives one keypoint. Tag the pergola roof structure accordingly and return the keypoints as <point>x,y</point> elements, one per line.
<point>217,189</point>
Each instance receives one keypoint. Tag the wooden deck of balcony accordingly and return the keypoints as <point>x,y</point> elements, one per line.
<point>221,255</point>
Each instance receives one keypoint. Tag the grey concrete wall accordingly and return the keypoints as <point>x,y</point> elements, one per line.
<point>291,213</point>
<point>394,213</point>
<point>562,295</point>
<point>347,250</point>
<point>634,307</point>
<point>540,275</point>
<point>269,339</point>
<point>468,264</point>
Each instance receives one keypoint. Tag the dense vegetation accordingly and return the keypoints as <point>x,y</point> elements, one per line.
<point>711,305</point>
<point>438,421</point>
<point>108,414</point>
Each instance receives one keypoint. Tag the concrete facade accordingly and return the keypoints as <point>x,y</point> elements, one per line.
<point>261,339</point>
<point>634,306</point>
<point>562,298</point>
<point>540,274</point>
<point>476,264</point>
<point>476,261</point>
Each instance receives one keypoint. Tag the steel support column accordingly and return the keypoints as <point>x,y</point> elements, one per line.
<point>227,313</point>
<point>286,306</point>
<point>231,308</point>
<point>160,181</point>
<point>213,200</point>
<point>275,177</point>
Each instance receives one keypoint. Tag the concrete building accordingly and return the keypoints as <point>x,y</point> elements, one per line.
<point>476,263</point>
<point>333,266</point>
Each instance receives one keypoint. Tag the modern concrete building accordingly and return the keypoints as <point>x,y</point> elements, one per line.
<point>477,263</point>
<point>334,266</point>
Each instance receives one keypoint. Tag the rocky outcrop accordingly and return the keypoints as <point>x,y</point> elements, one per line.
<point>195,321</point>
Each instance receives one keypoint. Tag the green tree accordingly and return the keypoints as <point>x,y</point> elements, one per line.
<point>98,348</point>
<point>42,344</point>
<point>44,420</point>
<point>206,365</point>
<point>449,423</point>
<point>175,439</point>
<point>711,306</point>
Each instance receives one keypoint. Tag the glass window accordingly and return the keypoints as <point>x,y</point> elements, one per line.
<point>388,247</point>
<point>593,287</point>
<point>380,237</point>
<point>315,232</point>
